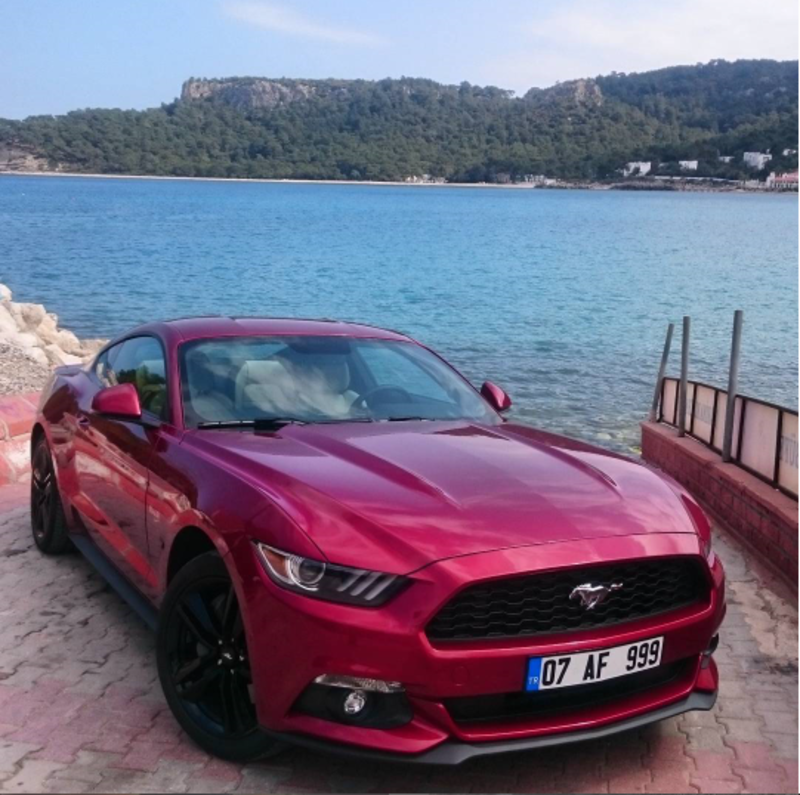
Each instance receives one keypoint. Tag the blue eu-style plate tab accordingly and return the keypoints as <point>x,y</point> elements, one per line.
<point>534,673</point>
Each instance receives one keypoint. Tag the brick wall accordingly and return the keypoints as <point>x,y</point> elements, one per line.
<point>762,517</point>
<point>17,413</point>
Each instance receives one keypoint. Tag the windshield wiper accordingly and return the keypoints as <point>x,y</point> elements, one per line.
<point>258,424</point>
<point>270,423</point>
<point>340,420</point>
<point>408,419</point>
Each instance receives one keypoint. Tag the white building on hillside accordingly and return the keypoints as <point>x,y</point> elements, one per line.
<point>636,168</point>
<point>756,160</point>
<point>688,165</point>
<point>539,179</point>
<point>787,152</point>
<point>782,181</point>
<point>725,158</point>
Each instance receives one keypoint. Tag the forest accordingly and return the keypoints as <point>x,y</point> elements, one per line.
<point>395,129</point>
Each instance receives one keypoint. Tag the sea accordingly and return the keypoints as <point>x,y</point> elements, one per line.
<point>562,297</point>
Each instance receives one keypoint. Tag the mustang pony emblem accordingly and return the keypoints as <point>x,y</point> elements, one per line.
<point>593,595</point>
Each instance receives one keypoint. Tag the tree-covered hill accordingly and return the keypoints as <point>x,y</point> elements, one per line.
<point>393,129</point>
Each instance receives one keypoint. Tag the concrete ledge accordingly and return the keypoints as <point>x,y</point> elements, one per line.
<point>762,517</point>
<point>17,414</point>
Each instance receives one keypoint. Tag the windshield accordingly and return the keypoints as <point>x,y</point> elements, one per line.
<point>320,379</point>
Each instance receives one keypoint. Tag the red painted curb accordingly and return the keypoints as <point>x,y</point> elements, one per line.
<point>17,415</point>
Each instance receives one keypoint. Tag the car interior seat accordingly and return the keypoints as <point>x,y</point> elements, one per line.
<point>265,386</point>
<point>204,400</point>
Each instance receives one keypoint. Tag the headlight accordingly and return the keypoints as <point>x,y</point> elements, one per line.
<point>328,581</point>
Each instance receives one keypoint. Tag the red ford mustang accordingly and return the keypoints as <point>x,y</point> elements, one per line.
<point>344,545</point>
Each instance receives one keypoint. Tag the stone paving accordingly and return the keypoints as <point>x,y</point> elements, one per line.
<point>81,709</point>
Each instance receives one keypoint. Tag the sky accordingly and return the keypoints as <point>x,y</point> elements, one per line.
<point>60,55</point>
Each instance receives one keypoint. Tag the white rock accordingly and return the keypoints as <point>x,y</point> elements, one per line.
<point>92,346</point>
<point>58,357</point>
<point>69,343</point>
<point>47,330</point>
<point>38,355</point>
<point>31,343</point>
<point>24,339</point>
<point>28,316</point>
<point>8,325</point>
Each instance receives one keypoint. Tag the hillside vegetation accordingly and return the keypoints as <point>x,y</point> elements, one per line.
<point>393,129</point>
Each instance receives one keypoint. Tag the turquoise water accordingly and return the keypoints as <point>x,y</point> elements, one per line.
<point>562,297</point>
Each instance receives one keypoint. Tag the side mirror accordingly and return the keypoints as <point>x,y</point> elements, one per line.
<point>121,400</point>
<point>496,397</point>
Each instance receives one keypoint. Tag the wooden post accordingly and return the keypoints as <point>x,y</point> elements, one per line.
<point>661,370</point>
<point>733,384</point>
<point>683,387</point>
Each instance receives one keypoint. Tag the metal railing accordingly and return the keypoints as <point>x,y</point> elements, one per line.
<point>764,441</point>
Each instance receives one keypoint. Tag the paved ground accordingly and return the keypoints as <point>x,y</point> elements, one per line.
<point>81,710</point>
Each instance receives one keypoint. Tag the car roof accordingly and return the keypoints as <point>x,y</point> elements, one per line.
<point>192,328</point>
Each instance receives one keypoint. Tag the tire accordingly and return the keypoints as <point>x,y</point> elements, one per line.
<point>203,664</point>
<point>48,522</point>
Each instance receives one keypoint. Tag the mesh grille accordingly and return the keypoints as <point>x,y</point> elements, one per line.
<point>540,604</point>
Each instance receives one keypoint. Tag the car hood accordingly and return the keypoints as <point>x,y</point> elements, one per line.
<point>397,496</point>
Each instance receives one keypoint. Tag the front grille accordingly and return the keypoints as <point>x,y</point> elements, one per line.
<point>540,604</point>
<point>544,703</point>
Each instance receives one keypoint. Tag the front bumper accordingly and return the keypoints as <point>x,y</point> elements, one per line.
<point>453,752</point>
<point>294,639</point>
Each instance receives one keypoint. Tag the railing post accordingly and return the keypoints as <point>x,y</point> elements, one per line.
<point>733,384</point>
<point>683,388</point>
<point>661,370</point>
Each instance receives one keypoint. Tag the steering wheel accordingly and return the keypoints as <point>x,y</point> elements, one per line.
<point>365,401</point>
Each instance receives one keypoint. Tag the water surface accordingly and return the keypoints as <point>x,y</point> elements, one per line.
<point>562,297</point>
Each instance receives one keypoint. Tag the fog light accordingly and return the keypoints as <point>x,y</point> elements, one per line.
<point>359,683</point>
<point>357,701</point>
<point>354,702</point>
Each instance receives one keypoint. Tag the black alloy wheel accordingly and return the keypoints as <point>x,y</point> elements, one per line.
<point>48,524</point>
<point>203,662</point>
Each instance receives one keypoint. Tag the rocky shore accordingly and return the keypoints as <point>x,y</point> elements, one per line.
<point>31,344</point>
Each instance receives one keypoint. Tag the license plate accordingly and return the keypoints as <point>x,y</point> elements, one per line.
<point>568,670</point>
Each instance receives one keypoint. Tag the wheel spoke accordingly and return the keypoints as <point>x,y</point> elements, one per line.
<point>191,667</point>
<point>234,718</point>
<point>194,624</point>
<point>229,611</point>
<point>196,690</point>
<point>237,630</point>
<point>244,673</point>
<point>239,706</point>
<point>228,709</point>
<point>45,514</point>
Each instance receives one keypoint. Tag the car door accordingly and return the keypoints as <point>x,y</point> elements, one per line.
<point>114,456</point>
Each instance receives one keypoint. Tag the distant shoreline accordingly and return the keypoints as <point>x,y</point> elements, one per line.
<point>292,181</point>
<point>595,186</point>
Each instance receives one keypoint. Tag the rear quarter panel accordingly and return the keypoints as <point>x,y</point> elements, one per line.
<point>67,388</point>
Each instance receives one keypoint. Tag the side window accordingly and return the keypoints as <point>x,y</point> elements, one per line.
<point>389,367</point>
<point>102,367</point>
<point>139,361</point>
